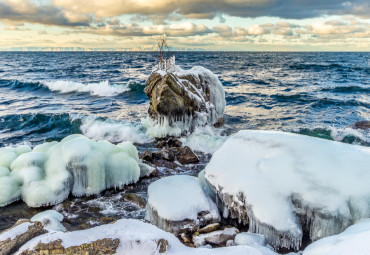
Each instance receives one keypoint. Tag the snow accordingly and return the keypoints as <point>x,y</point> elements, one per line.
<point>180,197</point>
<point>50,219</point>
<point>15,231</point>
<point>354,240</point>
<point>271,179</point>
<point>250,239</point>
<point>136,237</point>
<point>77,165</point>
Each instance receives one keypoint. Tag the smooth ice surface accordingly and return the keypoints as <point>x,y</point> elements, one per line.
<point>77,165</point>
<point>136,237</point>
<point>180,197</point>
<point>213,108</point>
<point>273,178</point>
<point>354,240</point>
<point>50,219</point>
<point>15,231</point>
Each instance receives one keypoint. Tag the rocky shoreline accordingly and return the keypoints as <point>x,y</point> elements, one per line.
<point>112,199</point>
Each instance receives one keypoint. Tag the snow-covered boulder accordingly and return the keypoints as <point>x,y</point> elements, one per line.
<point>284,185</point>
<point>51,171</point>
<point>354,240</point>
<point>50,219</point>
<point>215,237</point>
<point>178,204</point>
<point>13,238</point>
<point>121,237</point>
<point>181,99</point>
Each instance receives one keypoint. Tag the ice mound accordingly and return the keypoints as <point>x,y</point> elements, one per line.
<point>77,165</point>
<point>50,219</point>
<point>133,237</point>
<point>354,240</point>
<point>285,184</point>
<point>179,204</point>
<point>181,100</point>
<point>103,89</point>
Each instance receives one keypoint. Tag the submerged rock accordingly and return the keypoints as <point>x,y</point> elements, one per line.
<point>186,156</point>
<point>183,99</point>
<point>363,125</point>
<point>284,185</point>
<point>179,205</point>
<point>22,232</point>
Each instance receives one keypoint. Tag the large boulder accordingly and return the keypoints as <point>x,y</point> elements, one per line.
<point>185,98</point>
<point>178,204</point>
<point>286,185</point>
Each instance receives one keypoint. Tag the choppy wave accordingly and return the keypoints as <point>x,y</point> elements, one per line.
<point>345,135</point>
<point>103,88</point>
<point>114,131</point>
<point>37,128</point>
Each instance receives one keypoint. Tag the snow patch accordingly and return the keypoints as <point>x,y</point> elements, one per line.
<point>50,219</point>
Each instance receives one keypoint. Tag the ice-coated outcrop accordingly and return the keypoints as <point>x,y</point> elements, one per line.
<point>121,237</point>
<point>284,185</point>
<point>178,204</point>
<point>51,171</point>
<point>181,100</point>
<point>354,240</point>
<point>23,231</point>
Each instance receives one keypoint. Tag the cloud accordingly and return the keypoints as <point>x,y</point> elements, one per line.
<point>201,9</point>
<point>174,30</point>
<point>26,11</point>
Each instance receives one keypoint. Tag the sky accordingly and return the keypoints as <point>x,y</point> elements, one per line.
<point>230,25</point>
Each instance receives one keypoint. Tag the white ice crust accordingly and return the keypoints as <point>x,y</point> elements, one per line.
<point>50,219</point>
<point>77,165</point>
<point>135,237</point>
<point>180,197</point>
<point>277,177</point>
<point>354,240</point>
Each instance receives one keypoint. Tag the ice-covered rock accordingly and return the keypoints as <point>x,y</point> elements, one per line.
<point>77,165</point>
<point>284,185</point>
<point>50,219</point>
<point>181,100</point>
<point>215,237</point>
<point>121,237</point>
<point>178,204</point>
<point>354,240</point>
<point>23,231</point>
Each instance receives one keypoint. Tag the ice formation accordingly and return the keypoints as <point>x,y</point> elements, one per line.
<point>285,184</point>
<point>354,240</point>
<point>135,237</point>
<point>182,100</point>
<point>51,171</point>
<point>50,219</point>
<point>178,203</point>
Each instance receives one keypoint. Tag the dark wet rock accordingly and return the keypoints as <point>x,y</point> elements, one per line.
<point>186,156</point>
<point>148,156</point>
<point>134,199</point>
<point>169,142</point>
<point>24,231</point>
<point>216,237</point>
<point>102,246</point>
<point>363,125</point>
<point>209,228</point>
<point>162,245</point>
